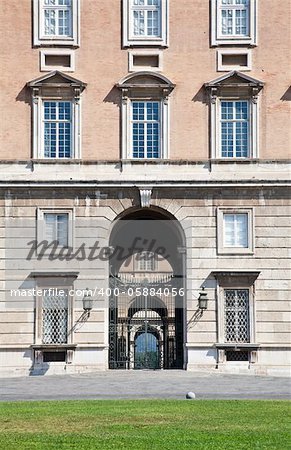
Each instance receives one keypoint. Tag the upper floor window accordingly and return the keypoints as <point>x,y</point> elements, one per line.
<point>233,17</point>
<point>234,129</point>
<point>233,22</point>
<point>57,17</point>
<point>57,129</point>
<point>145,116</point>
<point>146,18</point>
<point>56,116</point>
<point>145,22</point>
<point>56,22</point>
<point>234,116</point>
<point>145,129</point>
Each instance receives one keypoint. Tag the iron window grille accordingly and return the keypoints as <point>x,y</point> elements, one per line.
<point>55,318</point>
<point>236,315</point>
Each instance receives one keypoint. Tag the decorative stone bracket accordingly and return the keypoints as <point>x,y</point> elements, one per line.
<point>145,197</point>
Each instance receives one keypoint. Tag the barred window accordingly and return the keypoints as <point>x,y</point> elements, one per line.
<point>234,129</point>
<point>54,316</point>
<point>57,129</point>
<point>234,17</point>
<point>56,228</point>
<point>145,129</point>
<point>236,315</point>
<point>57,17</point>
<point>146,18</point>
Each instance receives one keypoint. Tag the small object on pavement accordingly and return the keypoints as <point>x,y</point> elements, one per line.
<point>190,395</point>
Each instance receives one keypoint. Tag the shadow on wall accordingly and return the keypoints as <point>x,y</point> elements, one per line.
<point>201,96</point>
<point>286,97</point>
<point>113,96</point>
<point>24,96</point>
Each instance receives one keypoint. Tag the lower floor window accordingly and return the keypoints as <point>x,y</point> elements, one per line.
<point>55,317</point>
<point>232,355</point>
<point>54,356</point>
<point>236,315</point>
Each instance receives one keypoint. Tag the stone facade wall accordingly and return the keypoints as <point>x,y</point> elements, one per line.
<point>195,209</point>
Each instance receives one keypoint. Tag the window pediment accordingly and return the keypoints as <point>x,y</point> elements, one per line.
<point>57,79</point>
<point>234,80</point>
<point>146,81</point>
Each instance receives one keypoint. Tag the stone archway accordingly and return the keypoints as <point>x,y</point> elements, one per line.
<point>147,295</point>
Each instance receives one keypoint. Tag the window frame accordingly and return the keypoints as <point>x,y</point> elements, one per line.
<point>253,132</point>
<point>233,121</point>
<point>53,284</point>
<point>145,122</point>
<point>57,52</point>
<point>221,248</point>
<point>40,39</point>
<point>130,40</point>
<point>67,318</point>
<point>217,38</point>
<point>144,52</point>
<point>237,51</point>
<point>247,313</point>
<point>38,127</point>
<point>137,263</point>
<point>57,121</point>
<point>41,224</point>
<point>239,285</point>
<point>127,131</point>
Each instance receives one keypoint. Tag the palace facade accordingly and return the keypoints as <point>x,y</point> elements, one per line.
<point>144,202</point>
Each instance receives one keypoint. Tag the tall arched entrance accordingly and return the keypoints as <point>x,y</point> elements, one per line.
<point>146,307</point>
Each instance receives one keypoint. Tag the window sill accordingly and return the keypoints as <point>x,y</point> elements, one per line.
<point>234,160</point>
<point>56,41</point>
<point>56,347</point>
<point>237,346</point>
<point>145,43</point>
<point>234,41</point>
<point>235,251</point>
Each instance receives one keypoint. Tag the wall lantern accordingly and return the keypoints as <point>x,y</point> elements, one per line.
<point>203,299</point>
<point>87,301</point>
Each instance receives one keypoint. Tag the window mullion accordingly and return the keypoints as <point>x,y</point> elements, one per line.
<point>57,129</point>
<point>236,316</point>
<point>234,128</point>
<point>146,128</point>
<point>235,228</point>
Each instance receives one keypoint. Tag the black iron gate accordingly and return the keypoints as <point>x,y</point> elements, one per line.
<point>145,323</point>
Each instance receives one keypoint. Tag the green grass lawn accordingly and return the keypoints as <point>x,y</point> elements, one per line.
<point>145,424</point>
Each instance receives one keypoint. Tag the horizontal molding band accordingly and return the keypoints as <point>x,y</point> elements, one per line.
<point>156,161</point>
<point>137,183</point>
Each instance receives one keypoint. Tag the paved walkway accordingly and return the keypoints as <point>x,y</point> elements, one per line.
<point>144,384</point>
